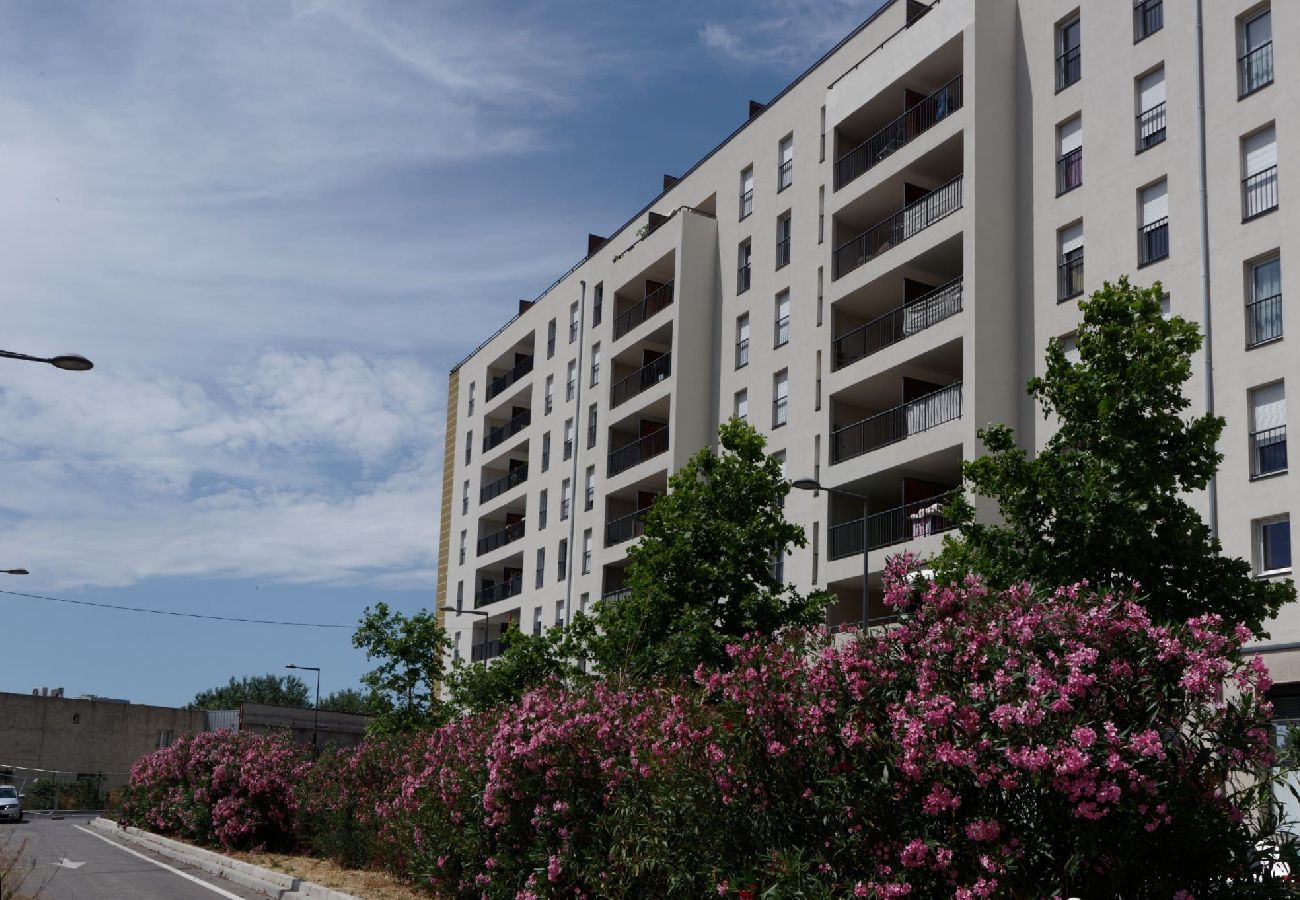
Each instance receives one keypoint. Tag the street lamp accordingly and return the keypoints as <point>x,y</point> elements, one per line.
<point>315,724</point>
<point>14,572</point>
<point>68,362</point>
<point>812,484</point>
<point>471,612</point>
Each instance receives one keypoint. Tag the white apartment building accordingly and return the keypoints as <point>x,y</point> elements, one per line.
<point>869,269</point>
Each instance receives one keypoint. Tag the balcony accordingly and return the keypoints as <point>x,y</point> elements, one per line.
<point>616,594</point>
<point>1069,171</point>
<point>626,528</point>
<point>912,219</point>
<point>504,432</point>
<point>1263,320</point>
<point>899,323</point>
<point>893,526</point>
<point>1268,452</point>
<point>899,133</point>
<point>486,650</point>
<point>1148,18</point>
<point>655,302</point>
<point>641,380</point>
<point>1255,70</point>
<point>1153,242</point>
<point>894,425</point>
<point>624,458</point>
<point>1151,127</point>
<point>499,486</point>
<point>501,382</point>
<point>511,587</point>
<point>1258,194</point>
<point>498,539</point>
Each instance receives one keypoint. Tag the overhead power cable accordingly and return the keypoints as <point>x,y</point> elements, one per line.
<point>181,615</point>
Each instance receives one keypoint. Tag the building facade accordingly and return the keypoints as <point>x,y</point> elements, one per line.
<point>868,270</point>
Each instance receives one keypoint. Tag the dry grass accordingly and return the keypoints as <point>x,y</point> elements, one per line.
<point>16,873</point>
<point>360,883</point>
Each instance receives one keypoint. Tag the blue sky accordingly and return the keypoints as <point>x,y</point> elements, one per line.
<point>274,226</point>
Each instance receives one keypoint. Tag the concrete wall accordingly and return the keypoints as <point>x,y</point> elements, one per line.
<point>335,728</point>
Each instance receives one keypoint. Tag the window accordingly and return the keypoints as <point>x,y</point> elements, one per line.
<point>550,339</point>
<point>597,304</point>
<point>559,613</point>
<point>1070,262</point>
<point>1268,430</point>
<point>1264,302</point>
<point>573,321</point>
<point>591,426</point>
<point>1068,58</point>
<point>817,393</point>
<point>821,214</point>
<point>746,192</point>
<point>471,398</point>
<point>1153,236</point>
<point>469,445</point>
<point>1273,545</point>
<point>463,538</point>
<point>589,489</point>
<point>537,620</point>
<point>540,578</point>
<point>566,498</point>
<point>586,552</point>
<point>1069,155</point>
<point>562,570</point>
<point>740,407</point>
<point>742,341</point>
<point>1255,68</point>
<point>781,327</point>
<point>595,364</point>
<point>785,166</point>
<point>541,510</point>
<point>1148,18</point>
<point>1259,164</point>
<point>549,401</point>
<point>464,499</point>
<point>1151,109</point>
<point>571,381</point>
<point>742,267</point>
<point>1070,347</point>
<point>780,398</point>
<point>546,451</point>
<point>823,148</point>
<point>568,438</point>
<point>783,240</point>
<point>460,596</point>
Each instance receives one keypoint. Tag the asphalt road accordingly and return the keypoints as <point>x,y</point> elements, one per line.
<point>76,862</point>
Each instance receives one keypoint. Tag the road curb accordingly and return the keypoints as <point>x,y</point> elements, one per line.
<point>276,885</point>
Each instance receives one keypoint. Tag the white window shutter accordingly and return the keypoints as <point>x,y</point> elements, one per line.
<point>1151,90</point>
<point>1071,238</point>
<point>1155,203</point>
<point>1069,136</point>
<point>1268,406</point>
<point>1261,151</point>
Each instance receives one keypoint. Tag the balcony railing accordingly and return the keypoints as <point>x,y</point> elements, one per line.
<point>941,303</point>
<point>511,587</point>
<point>1069,171</point>
<point>784,175</point>
<point>642,379</point>
<point>499,486</point>
<point>893,526</point>
<point>781,332</point>
<point>617,594</point>
<point>1151,127</point>
<point>625,528</point>
<point>1255,69</point>
<point>1148,18</point>
<point>656,301</point>
<point>501,382</point>
<point>485,651</point>
<point>1069,278</point>
<point>894,425</point>
<point>497,539</point>
<point>746,203</point>
<point>1268,451</point>
<point>1263,320</point>
<point>1069,68</point>
<point>898,133</point>
<point>912,219</point>
<point>1153,242</point>
<point>638,451</point>
<point>742,278</point>
<point>1259,193</point>
<point>783,253</point>
<point>496,435</point>
<point>742,353</point>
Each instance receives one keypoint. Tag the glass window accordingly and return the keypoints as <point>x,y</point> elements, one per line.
<point>783,241</point>
<point>471,398</point>
<point>573,321</point>
<point>589,489</point>
<point>586,552</point>
<point>1264,302</point>
<point>785,168</point>
<point>1069,155</point>
<point>541,510</point>
<point>781,327</point>
<point>1259,170</point>
<point>780,398</point>
<point>540,578</point>
<point>562,569</point>
<point>1268,430</point>
<point>1151,109</point>
<point>597,304</point>
<point>746,192</point>
<point>591,426</point>
<point>550,395</point>
<point>1068,55</point>
<point>1274,536</point>
<point>1255,68</point>
<point>742,341</point>
<point>571,381</point>
<point>742,267</point>
<point>741,405</point>
<point>546,451</point>
<point>595,365</point>
<point>1153,236</point>
<point>566,498</point>
<point>550,339</point>
<point>568,438</point>
<point>1070,262</point>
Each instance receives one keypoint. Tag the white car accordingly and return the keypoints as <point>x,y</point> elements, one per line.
<point>11,804</point>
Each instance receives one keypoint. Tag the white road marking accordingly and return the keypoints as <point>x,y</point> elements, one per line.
<point>66,863</point>
<point>199,881</point>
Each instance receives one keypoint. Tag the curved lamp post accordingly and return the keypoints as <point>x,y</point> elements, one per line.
<point>812,484</point>
<point>315,721</point>
<point>68,362</point>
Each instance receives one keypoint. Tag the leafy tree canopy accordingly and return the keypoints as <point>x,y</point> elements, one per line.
<point>701,576</point>
<point>278,690</point>
<point>528,661</point>
<point>1106,499</point>
<point>351,700</point>
<point>409,651</point>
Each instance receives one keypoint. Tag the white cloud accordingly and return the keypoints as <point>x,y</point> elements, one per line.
<point>785,33</point>
<point>719,37</point>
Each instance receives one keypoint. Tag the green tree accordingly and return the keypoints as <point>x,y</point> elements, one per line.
<point>409,650</point>
<point>528,661</point>
<point>351,700</point>
<point>1106,497</point>
<point>701,576</point>
<point>277,690</point>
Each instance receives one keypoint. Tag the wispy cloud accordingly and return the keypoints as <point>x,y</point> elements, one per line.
<point>785,33</point>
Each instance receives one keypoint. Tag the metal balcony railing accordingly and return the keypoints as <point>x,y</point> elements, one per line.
<point>625,528</point>
<point>1153,242</point>
<point>894,425</point>
<point>783,253</point>
<point>781,332</point>
<point>1148,18</point>
<point>912,219</point>
<point>485,651</point>
<point>742,353</point>
<point>501,382</point>
<point>497,539</point>
<point>656,301</point>
<point>1255,69</point>
<point>1263,320</point>
<point>642,379</point>
<point>511,587</point>
<point>1259,193</point>
<point>617,594</point>
<point>1069,278</point>
<point>893,526</point>
<point>1069,68</point>
<point>746,203</point>
<point>496,435</point>
<point>1069,171</point>
<point>903,321</point>
<point>784,175</point>
<point>742,278</point>
<point>1268,451</point>
<point>1151,127</point>
<point>638,451</point>
<point>498,486</point>
<point>898,133</point>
